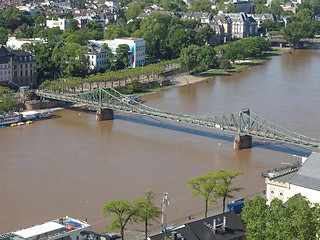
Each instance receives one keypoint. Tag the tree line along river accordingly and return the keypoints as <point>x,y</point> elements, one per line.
<point>73,165</point>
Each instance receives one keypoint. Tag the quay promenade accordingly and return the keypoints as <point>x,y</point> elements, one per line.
<point>138,234</point>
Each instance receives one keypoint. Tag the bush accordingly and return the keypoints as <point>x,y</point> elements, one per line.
<point>225,64</point>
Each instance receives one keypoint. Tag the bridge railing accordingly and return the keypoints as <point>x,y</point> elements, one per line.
<point>242,122</point>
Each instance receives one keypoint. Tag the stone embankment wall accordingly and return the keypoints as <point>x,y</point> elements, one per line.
<point>43,105</point>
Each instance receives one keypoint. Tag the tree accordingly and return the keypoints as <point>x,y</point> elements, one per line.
<point>73,25</point>
<point>224,188</point>
<point>69,14</point>
<point>201,6</point>
<point>295,31</point>
<point>6,99</point>
<point>124,212</point>
<point>134,11</point>
<point>304,15</point>
<point>296,219</point>
<point>3,35</point>
<point>207,57</point>
<point>147,211</point>
<point>114,31</point>
<point>204,36</point>
<point>276,8</point>
<point>231,8</point>
<point>204,186</point>
<point>189,57</point>
<point>224,63</point>
<point>122,56</point>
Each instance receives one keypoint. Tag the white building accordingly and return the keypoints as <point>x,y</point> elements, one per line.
<point>61,23</point>
<point>304,181</point>
<point>17,43</point>
<point>98,56</point>
<point>112,3</point>
<point>137,48</point>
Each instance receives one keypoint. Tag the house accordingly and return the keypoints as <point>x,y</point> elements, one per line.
<point>24,68</point>
<point>5,65</point>
<point>224,226</point>
<point>61,23</point>
<point>98,56</point>
<point>242,25</point>
<point>304,180</point>
<point>17,67</point>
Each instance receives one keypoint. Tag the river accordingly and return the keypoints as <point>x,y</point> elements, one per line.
<point>72,165</point>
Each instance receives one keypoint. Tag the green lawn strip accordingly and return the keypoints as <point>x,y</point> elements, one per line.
<point>157,89</point>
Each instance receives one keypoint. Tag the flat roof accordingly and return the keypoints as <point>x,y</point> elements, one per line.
<point>39,229</point>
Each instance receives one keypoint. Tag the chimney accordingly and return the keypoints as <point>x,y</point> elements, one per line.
<point>174,236</point>
<point>214,229</point>
<point>224,225</point>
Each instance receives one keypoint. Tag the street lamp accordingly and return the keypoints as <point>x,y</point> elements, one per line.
<point>164,205</point>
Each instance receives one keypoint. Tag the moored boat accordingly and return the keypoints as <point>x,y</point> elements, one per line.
<point>9,118</point>
<point>62,228</point>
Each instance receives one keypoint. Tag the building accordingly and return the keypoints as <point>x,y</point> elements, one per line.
<point>112,3</point>
<point>17,43</point>
<point>5,65</point>
<point>17,67</point>
<point>61,23</point>
<point>224,226</point>
<point>304,180</point>
<point>137,48</point>
<point>24,68</point>
<point>98,56</point>
<point>62,228</point>
<point>242,25</point>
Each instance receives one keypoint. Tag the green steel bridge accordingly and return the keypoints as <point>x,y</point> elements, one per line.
<point>243,122</point>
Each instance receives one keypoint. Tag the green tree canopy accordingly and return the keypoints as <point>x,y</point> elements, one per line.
<point>296,219</point>
<point>7,102</point>
<point>124,212</point>
<point>122,56</point>
<point>134,11</point>
<point>204,187</point>
<point>147,211</point>
<point>295,31</point>
<point>200,6</point>
<point>224,189</point>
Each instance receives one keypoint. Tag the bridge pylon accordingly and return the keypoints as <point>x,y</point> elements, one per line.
<point>242,142</point>
<point>104,114</point>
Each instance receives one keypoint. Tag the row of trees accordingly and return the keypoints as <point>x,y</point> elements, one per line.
<point>203,58</point>
<point>117,78</point>
<point>209,186</point>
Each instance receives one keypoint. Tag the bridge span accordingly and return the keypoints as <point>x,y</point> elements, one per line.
<point>245,123</point>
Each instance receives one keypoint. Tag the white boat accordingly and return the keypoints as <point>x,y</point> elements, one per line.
<point>132,99</point>
<point>62,228</point>
<point>9,118</point>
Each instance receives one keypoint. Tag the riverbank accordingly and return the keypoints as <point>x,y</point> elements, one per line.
<point>237,67</point>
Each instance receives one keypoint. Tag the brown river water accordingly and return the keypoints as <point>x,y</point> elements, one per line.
<point>72,165</point>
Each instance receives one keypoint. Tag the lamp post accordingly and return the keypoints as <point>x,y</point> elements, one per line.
<point>164,205</point>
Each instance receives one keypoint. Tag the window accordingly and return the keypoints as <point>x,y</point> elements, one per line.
<point>281,194</point>
<point>272,192</point>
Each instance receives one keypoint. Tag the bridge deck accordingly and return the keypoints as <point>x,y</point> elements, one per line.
<point>244,122</point>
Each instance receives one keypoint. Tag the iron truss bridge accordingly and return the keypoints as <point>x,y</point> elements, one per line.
<point>243,122</point>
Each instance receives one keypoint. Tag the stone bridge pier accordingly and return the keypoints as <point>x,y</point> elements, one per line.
<point>242,142</point>
<point>104,114</point>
